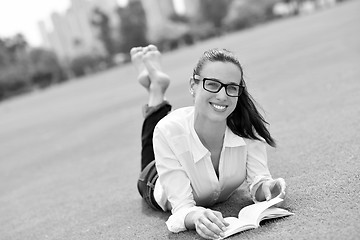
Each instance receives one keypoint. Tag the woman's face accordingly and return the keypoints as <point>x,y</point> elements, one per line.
<point>215,107</point>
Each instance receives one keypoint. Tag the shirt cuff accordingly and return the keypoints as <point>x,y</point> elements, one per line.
<point>258,180</point>
<point>176,222</point>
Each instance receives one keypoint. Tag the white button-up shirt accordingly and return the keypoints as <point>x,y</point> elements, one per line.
<point>187,178</point>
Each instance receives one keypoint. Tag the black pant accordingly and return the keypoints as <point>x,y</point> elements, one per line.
<point>148,175</point>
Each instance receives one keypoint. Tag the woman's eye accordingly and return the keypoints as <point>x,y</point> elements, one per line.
<point>212,84</point>
<point>233,88</point>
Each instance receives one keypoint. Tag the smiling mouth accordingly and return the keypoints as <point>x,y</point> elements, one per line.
<point>218,107</point>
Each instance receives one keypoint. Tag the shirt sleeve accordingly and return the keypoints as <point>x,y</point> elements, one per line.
<point>256,166</point>
<point>174,181</point>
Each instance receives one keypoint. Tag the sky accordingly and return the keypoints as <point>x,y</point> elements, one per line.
<point>22,16</point>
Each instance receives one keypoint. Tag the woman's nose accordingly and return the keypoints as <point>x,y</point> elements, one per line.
<point>221,94</point>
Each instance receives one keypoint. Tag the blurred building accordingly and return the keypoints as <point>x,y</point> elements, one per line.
<point>159,14</point>
<point>72,34</point>
<point>191,8</point>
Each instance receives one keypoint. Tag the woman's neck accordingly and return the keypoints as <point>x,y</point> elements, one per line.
<point>211,134</point>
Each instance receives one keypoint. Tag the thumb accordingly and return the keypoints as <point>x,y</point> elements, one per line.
<point>266,190</point>
<point>282,184</point>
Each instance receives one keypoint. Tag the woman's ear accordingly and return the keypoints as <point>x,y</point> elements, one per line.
<point>192,85</point>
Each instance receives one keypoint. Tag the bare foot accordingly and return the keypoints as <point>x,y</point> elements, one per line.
<point>159,81</point>
<point>152,57</point>
<point>137,54</point>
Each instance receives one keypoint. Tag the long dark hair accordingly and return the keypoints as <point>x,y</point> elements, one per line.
<point>245,120</point>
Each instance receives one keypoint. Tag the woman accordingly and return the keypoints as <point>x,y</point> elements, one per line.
<point>205,152</point>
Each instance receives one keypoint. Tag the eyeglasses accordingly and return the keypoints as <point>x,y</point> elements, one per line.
<point>214,86</point>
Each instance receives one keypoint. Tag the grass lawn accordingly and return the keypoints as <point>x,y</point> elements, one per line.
<point>70,155</point>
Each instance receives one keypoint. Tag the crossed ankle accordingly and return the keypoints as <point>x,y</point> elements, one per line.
<point>149,109</point>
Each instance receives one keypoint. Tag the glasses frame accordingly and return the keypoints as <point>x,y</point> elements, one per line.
<point>223,85</point>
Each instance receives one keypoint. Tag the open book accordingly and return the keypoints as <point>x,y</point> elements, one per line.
<point>250,217</point>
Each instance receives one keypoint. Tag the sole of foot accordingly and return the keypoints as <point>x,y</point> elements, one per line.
<point>152,62</point>
<point>137,54</point>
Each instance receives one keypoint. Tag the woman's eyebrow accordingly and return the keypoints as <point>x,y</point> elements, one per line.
<point>221,81</point>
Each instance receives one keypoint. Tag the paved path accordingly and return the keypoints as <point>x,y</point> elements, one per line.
<point>69,156</point>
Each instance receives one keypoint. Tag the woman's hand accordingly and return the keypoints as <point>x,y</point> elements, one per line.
<point>274,188</point>
<point>209,224</point>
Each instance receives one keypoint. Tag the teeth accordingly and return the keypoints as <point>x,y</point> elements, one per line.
<point>219,107</point>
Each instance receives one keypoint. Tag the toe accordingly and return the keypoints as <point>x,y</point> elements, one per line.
<point>152,48</point>
<point>135,50</point>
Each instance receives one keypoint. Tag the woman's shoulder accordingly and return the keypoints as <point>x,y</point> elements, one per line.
<point>180,115</point>
<point>177,120</point>
<point>254,142</point>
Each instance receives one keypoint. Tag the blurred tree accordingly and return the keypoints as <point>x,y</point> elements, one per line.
<point>17,46</point>
<point>132,26</point>
<point>45,69</point>
<point>12,49</point>
<point>22,68</point>
<point>102,21</point>
<point>86,64</point>
<point>14,66</point>
<point>247,13</point>
<point>4,54</point>
<point>214,11</point>
<point>14,79</point>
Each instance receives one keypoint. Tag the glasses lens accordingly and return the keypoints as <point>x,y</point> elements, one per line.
<point>233,90</point>
<point>211,85</point>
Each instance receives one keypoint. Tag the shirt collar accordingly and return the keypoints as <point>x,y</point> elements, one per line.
<point>232,140</point>
<point>199,151</point>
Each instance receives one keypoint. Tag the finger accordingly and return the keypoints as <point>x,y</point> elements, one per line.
<point>275,188</point>
<point>203,229</point>
<point>225,222</point>
<point>219,220</point>
<point>282,184</point>
<point>281,195</point>
<point>266,190</point>
<point>201,233</point>
<point>213,223</point>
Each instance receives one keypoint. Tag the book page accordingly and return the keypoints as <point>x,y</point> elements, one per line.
<point>274,212</point>
<point>252,213</point>
<point>250,216</point>
<point>236,225</point>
